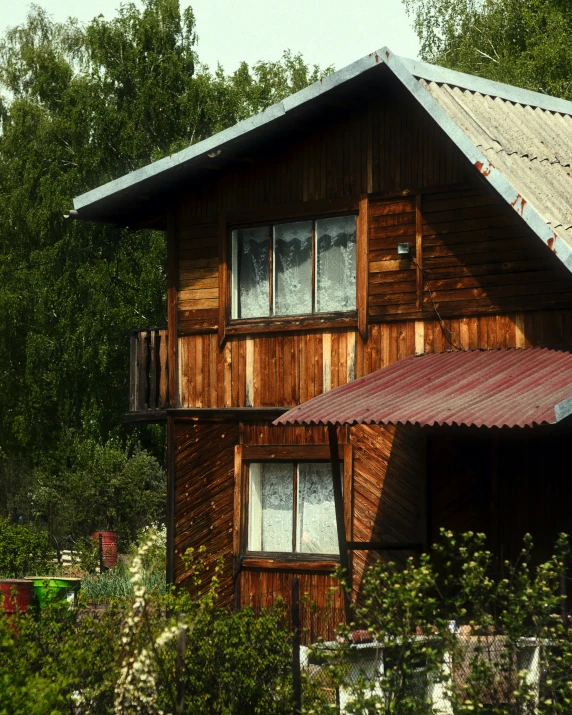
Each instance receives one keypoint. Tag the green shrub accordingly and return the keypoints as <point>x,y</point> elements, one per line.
<point>491,644</point>
<point>23,552</point>
<point>100,487</point>
<point>129,657</point>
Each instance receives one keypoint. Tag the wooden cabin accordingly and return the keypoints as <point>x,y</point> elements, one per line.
<point>393,209</point>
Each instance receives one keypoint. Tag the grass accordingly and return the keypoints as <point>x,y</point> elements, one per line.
<point>115,584</point>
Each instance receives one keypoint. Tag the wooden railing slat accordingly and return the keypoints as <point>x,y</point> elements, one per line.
<point>153,369</point>
<point>133,372</point>
<point>164,370</point>
<point>148,377</point>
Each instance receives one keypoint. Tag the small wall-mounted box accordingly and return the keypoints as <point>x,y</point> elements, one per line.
<point>403,249</point>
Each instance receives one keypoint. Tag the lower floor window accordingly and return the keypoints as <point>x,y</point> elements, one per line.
<point>291,508</point>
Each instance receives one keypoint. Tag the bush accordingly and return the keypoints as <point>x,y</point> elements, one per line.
<point>23,552</point>
<point>447,623</point>
<point>102,487</point>
<point>148,653</point>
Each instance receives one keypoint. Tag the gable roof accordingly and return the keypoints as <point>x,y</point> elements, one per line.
<point>520,141</point>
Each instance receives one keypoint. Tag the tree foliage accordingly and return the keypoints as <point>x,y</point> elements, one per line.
<point>520,42</point>
<point>81,105</point>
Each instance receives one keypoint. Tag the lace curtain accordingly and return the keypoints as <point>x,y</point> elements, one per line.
<point>316,528</point>
<point>250,272</point>
<point>293,268</point>
<point>336,264</point>
<point>271,506</point>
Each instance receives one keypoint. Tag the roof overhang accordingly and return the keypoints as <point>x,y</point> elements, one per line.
<point>497,388</point>
<point>142,195</point>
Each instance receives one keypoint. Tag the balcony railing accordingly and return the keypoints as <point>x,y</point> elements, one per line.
<point>148,383</point>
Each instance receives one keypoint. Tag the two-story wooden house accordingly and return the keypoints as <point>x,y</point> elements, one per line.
<point>393,209</point>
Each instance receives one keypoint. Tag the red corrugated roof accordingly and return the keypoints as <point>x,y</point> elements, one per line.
<point>496,388</point>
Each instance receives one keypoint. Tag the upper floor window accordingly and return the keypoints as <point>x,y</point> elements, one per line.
<point>298,268</point>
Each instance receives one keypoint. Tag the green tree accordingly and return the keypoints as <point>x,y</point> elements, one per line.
<point>520,42</point>
<point>79,106</point>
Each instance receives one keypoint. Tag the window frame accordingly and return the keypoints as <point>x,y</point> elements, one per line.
<point>309,211</point>
<point>246,454</point>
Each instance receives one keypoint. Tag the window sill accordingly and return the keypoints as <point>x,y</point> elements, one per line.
<point>316,563</point>
<point>292,323</point>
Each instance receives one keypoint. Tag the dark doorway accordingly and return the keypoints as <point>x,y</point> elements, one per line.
<point>504,483</point>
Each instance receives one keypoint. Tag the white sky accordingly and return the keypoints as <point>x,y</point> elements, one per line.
<point>326,32</point>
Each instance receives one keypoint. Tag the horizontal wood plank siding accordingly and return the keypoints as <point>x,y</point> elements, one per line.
<point>351,153</point>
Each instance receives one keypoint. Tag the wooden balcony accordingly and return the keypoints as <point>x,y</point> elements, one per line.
<point>148,383</point>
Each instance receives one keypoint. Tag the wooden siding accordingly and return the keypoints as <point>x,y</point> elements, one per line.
<point>388,492</point>
<point>204,494</point>
<point>477,253</point>
<point>353,153</point>
<point>287,369</point>
<point>322,612</point>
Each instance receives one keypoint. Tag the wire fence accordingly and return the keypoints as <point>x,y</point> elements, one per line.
<point>430,674</point>
<point>481,673</point>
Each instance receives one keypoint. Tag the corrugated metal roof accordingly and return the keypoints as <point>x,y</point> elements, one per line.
<point>530,146</point>
<point>497,388</point>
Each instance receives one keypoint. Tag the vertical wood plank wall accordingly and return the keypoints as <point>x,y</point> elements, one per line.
<point>286,369</point>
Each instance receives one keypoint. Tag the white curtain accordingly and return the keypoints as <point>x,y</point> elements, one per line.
<point>316,528</point>
<point>250,272</point>
<point>293,268</point>
<point>271,507</point>
<point>336,264</point>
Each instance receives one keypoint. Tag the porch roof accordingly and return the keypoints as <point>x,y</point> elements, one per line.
<point>496,388</point>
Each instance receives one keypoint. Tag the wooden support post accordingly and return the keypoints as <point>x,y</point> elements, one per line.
<point>170,499</point>
<point>296,634</point>
<point>419,251</point>
<point>172,309</point>
<point>495,511</point>
<point>339,505</point>
<point>429,493</point>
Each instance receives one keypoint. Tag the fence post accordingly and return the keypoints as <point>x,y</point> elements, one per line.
<point>297,682</point>
<point>180,666</point>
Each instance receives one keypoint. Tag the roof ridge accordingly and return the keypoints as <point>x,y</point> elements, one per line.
<point>473,83</point>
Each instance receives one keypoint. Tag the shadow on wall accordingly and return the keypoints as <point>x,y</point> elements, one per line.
<point>388,492</point>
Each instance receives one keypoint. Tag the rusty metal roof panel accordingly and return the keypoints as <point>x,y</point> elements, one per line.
<point>531,146</point>
<point>497,388</point>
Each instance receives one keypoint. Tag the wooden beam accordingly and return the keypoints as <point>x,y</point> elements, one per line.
<point>148,416</point>
<point>340,521</point>
<point>227,414</point>
<point>362,267</point>
<point>172,308</point>
<point>170,500</point>
<point>384,546</point>
<point>419,251</point>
